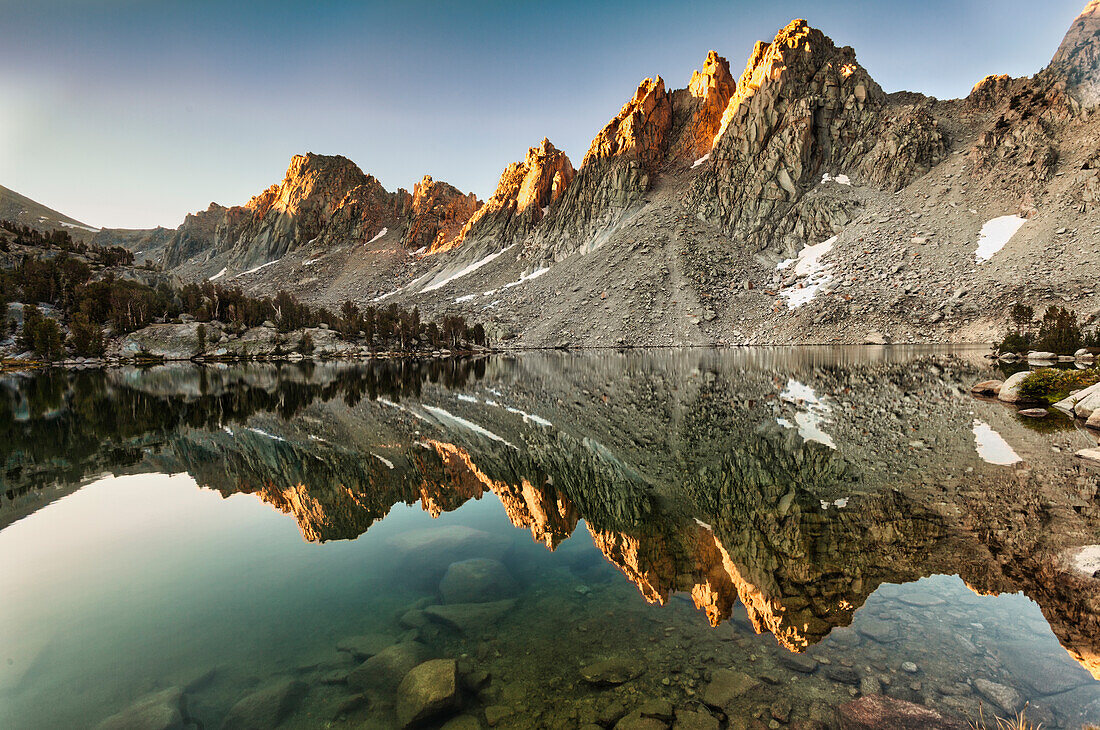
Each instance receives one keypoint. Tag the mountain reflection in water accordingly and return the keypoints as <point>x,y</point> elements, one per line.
<point>807,495</point>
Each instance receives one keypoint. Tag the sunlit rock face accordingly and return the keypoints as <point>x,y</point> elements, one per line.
<point>525,191</point>
<point>616,171</point>
<point>989,92</point>
<point>697,110</point>
<point>437,214</point>
<point>321,197</point>
<point>1078,57</point>
<point>804,107</point>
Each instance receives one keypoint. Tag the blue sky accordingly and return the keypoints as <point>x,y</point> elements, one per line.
<point>128,113</point>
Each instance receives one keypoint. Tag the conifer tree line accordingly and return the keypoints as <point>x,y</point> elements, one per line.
<point>87,288</point>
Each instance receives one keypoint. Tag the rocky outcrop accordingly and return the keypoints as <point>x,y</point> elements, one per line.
<point>989,92</point>
<point>697,110</point>
<point>804,107</point>
<point>437,214</point>
<point>1077,60</point>
<point>321,199</point>
<point>524,194</point>
<point>615,173</point>
<point>1020,141</point>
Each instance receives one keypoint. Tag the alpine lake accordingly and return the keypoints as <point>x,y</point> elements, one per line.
<point>747,538</point>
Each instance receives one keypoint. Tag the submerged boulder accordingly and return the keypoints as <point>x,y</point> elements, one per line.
<point>878,711</point>
<point>364,646</point>
<point>428,691</point>
<point>387,668</point>
<point>726,686</point>
<point>265,708</point>
<point>469,617</point>
<point>159,711</point>
<point>611,672</point>
<point>426,554</point>
<point>477,580</point>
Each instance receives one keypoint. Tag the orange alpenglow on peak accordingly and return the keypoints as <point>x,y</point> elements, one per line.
<point>639,129</point>
<point>525,190</point>
<point>800,59</point>
<point>697,110</point>
<point>437,215</point>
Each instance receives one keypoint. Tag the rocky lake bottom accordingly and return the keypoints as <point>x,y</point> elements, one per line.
<point>806,538</point>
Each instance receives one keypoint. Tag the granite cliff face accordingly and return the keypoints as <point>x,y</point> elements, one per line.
<point>436,216</point>
<point>525,192</point>
<point>803,108</point>
<point>697,111</point>
<point>1078,58</point>
<point>615,172</point>
<point>320,198</point>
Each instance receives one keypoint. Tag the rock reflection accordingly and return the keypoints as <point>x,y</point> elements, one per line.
<point>681,466</point>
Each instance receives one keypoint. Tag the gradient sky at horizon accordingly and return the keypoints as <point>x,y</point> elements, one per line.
<point>132,113</point>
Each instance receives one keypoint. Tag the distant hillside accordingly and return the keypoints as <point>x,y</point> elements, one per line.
<point>21,209</point>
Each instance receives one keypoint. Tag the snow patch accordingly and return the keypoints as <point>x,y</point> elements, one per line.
<point>466,270</point>
<point>838,179</point>
<point>466,298</point>
<point>700,161</point>
<point>467,398</point>
<point>526,277</point>
<point>842,502</point>
<point>311,262</point>
<point>381,233</point>
<point>991,446</point>
<point>384,460</point>
<point>218,275</point>
<point>995,234</point>
<point>256,268</point>
<point>808,267</point>
<point>1087,559</point>
<point>813,413</point>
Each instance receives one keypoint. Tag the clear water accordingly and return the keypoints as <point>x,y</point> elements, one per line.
<point>813,525</point>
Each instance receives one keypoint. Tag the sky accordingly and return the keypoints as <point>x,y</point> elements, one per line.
<point>132,113</point>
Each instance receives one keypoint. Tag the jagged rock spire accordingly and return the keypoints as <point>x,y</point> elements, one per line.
<point>525,190</point>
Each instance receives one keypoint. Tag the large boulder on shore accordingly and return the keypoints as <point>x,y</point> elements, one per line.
<point>1082,403</point>
<point>428,691</point>
<point>1010,388</point>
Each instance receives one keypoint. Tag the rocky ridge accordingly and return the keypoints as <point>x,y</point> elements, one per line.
<point>671,229</point>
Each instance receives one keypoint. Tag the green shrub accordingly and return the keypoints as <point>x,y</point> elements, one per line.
<point>1052,384</point>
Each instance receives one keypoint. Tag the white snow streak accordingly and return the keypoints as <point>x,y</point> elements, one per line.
<point>467,270</point>
<point>381,233</point>
<point>700,161</point>
<point>218,275</point>
<point>257,268</point>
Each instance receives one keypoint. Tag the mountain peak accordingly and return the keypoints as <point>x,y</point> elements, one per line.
<point>640,127</point>
<point>1078,58</point>
<point>697,110</point>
